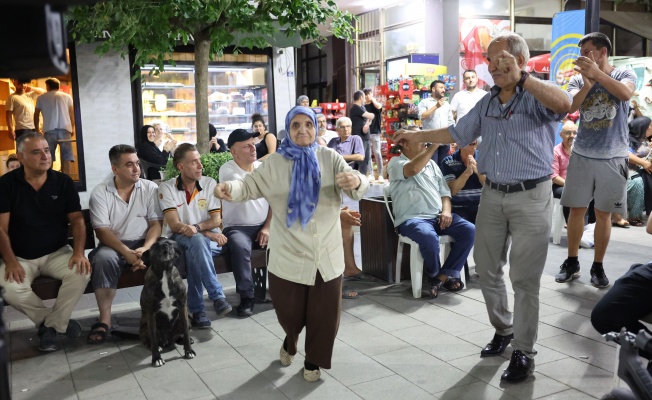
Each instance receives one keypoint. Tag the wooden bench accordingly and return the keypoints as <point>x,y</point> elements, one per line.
<point>48,288</point>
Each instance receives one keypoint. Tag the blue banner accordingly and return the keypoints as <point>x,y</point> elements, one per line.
<point>567,30</point>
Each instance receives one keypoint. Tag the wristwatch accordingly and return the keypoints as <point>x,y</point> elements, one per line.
<point>524,76</point>
<point>197,227</point>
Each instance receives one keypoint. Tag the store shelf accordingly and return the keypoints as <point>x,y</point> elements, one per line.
<point>151,85</point>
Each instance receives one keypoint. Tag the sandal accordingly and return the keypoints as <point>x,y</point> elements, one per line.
<point>349,294</point>
<point>435,286</point>
<point>620,224</point>
<point>95,331</point>
<point>453,284</point>
<point>635,222</point>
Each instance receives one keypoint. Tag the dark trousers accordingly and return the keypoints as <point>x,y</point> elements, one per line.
<point>628,301</point>
<point>426,233</point>
<point>363,166</point>
<point>467,213</point>
<point>317,308</point>
<point>441,153</point>
<point>647,186</point>
<point>21,132</point>
<point>242,240</point>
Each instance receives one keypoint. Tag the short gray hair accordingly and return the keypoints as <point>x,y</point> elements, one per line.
<point>516,45</point>
<point>302,98</point>
<point>342,119</point>
<point>20,142</point>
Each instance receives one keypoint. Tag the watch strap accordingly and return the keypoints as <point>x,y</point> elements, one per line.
<point>524,76</point>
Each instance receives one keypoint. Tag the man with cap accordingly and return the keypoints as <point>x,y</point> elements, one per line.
<point>246,224</point>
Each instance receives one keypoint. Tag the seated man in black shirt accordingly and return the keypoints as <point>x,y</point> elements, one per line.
<point>36,205</point>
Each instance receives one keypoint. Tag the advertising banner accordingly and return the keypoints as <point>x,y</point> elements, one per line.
<point>567,30</point>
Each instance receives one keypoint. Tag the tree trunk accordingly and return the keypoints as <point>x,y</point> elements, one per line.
<point>202,46</point>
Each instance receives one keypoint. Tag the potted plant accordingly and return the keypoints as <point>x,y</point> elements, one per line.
<point>211,162</point>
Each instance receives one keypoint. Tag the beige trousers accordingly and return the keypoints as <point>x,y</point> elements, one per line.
<point>55,265</point>
<point>525,218</point>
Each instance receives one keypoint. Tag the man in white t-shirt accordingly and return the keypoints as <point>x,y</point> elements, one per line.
<point>465,100</point>
<point>246,224</point>
<point>324,133</point>
<point>435,113</point>
<point>20,108</point>
<point>58,121</point>
<point>127,219</point>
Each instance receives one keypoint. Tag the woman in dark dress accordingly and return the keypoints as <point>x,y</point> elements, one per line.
<point>149,152</point>
<point>267,141</point>
<point>217,144</point>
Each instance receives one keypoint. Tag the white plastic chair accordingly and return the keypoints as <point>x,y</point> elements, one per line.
<point>558,221</point>
<point>416,260</point>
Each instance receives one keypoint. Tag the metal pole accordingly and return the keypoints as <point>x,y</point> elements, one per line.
<point>512,17</point>
<point>381,39</point>
<point>592,18</point>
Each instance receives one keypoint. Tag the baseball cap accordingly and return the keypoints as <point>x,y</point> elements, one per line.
<point>240,135</point>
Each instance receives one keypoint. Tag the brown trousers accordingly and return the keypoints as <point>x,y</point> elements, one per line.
<point>317,308</point>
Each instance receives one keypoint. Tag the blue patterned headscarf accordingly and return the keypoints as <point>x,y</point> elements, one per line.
<point>306,175</point>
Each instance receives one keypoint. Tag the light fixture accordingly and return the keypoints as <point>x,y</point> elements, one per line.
<point>160,102</point>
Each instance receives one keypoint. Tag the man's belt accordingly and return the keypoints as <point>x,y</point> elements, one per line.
<point>516,187</point>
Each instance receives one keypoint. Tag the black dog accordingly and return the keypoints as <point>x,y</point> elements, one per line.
<point>163,302</point>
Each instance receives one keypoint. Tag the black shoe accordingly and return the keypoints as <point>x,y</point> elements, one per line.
<point>519,369</point>
<point>222,307</point>
<point>598,277</point>
<point>48,337</point>
<point>568,272</point>
<point>497,345</point>
<point>246,307</point>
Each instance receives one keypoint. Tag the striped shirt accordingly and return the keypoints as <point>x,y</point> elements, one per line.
<point>517,137</point>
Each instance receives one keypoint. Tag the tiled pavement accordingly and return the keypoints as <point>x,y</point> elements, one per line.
<point>389,346</point>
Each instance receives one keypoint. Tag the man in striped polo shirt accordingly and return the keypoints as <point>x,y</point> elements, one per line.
<point>517,122</point>
<point>193,214</point>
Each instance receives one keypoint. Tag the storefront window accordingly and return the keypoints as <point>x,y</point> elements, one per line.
<point>537,36</point>
<point>404,13</point>
<point>403,41</point>
<point>235,92</point>
<point>72,147</point>
<point>536,8</point>
<point>484,7</point>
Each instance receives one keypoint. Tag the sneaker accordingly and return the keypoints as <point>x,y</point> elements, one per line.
<point>598,277</point>
<point>48,337</point>
<point>199,320</point>
<point>568,272</point>
<point>73,330</point>
<point>222,307</point>
<point>246,307</point>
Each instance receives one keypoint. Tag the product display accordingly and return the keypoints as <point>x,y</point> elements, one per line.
<point>234,94</point>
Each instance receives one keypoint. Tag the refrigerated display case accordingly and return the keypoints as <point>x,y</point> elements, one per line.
<point>234,94</point>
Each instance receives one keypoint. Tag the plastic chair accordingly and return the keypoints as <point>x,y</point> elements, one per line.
<point>145,166</point>
<point>416,260</point>
<point>558,221</point>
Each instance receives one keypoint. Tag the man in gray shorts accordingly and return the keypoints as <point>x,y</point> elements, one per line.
<point>598,166</point>
<point>127,218</point>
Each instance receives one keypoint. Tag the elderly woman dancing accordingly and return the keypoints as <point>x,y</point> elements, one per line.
<point>306,258</point>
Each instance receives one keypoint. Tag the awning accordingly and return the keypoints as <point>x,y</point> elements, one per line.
<point>635,22</point>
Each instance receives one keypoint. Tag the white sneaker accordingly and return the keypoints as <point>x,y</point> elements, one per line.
<point>381,179</point>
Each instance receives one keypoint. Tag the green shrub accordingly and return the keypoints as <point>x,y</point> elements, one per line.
<point>211,162</point>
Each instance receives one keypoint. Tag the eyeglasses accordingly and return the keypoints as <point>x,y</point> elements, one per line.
<point>506,112</point>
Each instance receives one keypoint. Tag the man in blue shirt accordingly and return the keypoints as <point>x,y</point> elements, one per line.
<point>465,182</point>
<point>517,123</point>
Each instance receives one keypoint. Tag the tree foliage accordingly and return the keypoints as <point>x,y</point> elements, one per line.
<point>154,27</point>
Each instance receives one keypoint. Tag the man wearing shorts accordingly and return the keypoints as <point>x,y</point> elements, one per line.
<point>598,165</point>
<point>58,121</point>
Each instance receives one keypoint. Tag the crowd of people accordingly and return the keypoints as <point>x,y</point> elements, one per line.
<point>493,195</point>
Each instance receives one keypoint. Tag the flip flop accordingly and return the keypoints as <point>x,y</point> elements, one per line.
<point>350,295</point>
<point>623,225</point>
<point>435,285</point>
<point>636,222</point>
<point>95,330</point>
<point>361,277</point>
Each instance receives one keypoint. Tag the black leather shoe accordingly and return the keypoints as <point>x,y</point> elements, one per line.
<point>519,369</point>
<point>497,345</point>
